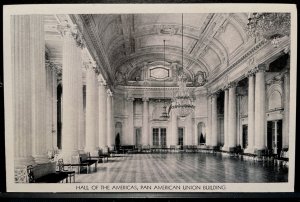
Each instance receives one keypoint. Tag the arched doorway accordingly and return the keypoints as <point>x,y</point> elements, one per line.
<point>201,135</point>
<point>118,129</point>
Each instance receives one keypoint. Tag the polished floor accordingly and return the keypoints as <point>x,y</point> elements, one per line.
<point>183,168</point>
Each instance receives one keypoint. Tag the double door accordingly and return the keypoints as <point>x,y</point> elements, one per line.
<point>274,136</point>
<point>159,136</point>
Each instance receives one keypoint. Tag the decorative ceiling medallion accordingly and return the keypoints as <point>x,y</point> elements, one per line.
<point>167,29</point>
<point>159,73</point>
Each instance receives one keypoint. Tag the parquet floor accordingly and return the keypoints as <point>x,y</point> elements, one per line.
<point>183,168</point>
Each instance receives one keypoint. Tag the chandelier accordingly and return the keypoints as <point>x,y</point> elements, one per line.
<point>164,115</point>
<point>182,104</point>
<point>271,26</point>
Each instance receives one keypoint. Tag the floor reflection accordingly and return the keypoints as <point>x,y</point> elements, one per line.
<point>183,168</point>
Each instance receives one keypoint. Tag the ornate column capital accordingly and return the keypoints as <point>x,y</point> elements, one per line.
<point>130,99</point>
<point>214,94</point>
<point>260,68</point>
<point>109,93</point>
<point>145,99</point>
<point>91,65</point>
<point>66,29</point>
<point>101,80</point>
<point>250,73</point>
<point>232,84</point>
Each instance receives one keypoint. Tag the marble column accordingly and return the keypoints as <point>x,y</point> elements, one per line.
<point>214,121</point>
<point>208,129</point>
<point>189,129</point>
<point>109,126</point>
<point>49,106</point>
<point>130,133</point>
<point>91,109</point>
<point>286,106</point>
<point>174,129</point>
<point>145,128</point>
<point>251,126</point>
<point>81,118</point>
<point>102,112</point>
<point>18,99</point>
<point>225,147</point>
<point>38,79</point>
<point>260,112</point>
<point>232,120</point>
<point>54,108</point>
<point>72,43</point>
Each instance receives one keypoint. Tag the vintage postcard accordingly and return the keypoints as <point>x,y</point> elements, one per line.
<point>150,97</point>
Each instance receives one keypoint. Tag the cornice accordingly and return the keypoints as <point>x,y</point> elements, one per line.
<point>240,60</point>
<point>92,43</point>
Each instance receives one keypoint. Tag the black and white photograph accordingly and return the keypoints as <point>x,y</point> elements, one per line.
<point>150,98</point>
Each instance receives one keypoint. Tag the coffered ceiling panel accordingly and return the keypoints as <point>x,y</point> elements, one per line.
<point>193,20</point>
<point>174,40</point>
<point>212,59</point>
<point>231,38</point>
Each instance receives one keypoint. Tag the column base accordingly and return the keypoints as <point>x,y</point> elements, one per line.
<point>249,150</point>
<point>260,152</point>
<point>232,149</point>
<point>214,147</point>
<point>225,148</point>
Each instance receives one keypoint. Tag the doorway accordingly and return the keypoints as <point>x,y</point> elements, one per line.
<point>159,136</point>
<point>274,136</point>
<point>180,136</point>
<point>138,136</point>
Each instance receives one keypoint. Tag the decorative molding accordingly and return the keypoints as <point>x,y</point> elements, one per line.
<point>21,175</point>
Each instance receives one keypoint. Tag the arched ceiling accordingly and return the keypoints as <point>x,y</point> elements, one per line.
<point>128,41</point>
<point>131,40</point>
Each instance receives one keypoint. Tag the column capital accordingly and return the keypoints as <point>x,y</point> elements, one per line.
<point>225,87</point>
<point>66,29</point>
<point>145,99</point>
<point>214,95</point>
<point>260,68</point>
<point>232,84</point>
<point>130,99</point>
<point>109,93</point>
<point>91,65</point>
<point>101,80</point>
<point>250,73</point>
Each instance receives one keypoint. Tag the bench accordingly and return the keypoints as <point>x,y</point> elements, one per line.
<point>45,173</point>
<point>128,149</point>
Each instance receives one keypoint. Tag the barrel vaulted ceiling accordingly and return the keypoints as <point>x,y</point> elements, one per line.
<point>127,42</point>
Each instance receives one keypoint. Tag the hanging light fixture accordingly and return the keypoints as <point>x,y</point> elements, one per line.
<point>271,26</point>
<point>164,115</point>
<point>183,103</point>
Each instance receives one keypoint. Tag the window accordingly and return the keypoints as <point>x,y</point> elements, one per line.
<point>163,137</point>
